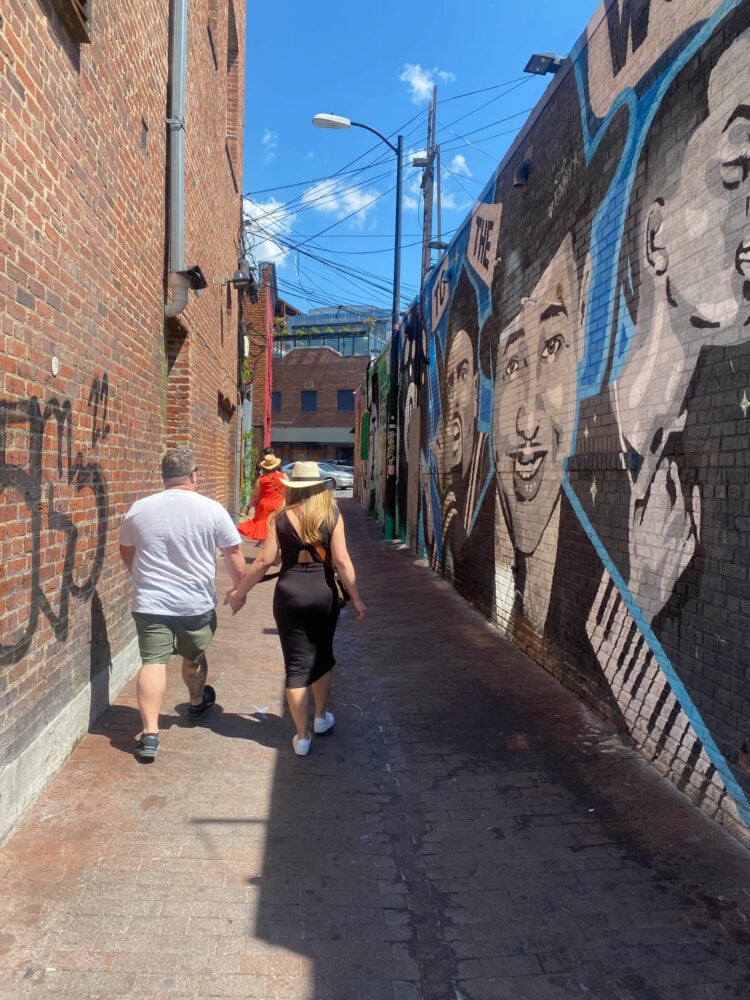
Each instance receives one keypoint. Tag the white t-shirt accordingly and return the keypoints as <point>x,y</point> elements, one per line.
<point>176,534</point>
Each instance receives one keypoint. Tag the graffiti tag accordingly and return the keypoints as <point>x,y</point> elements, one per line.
<point>51,490</point>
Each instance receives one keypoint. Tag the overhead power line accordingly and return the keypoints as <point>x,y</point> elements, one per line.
<point>313,253</point>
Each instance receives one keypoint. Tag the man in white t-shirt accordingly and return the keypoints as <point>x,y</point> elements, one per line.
<point>168,542</point>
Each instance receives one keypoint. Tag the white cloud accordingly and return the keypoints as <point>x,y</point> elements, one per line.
<point>269,142</point>
<point>267,221</point>
<point>412,192</point>
<point>460,166</point>
<point>334,197</point>
<point>422,81</point>
<point>453,201</point>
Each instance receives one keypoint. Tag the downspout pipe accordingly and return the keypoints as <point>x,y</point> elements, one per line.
<point>177,283</point>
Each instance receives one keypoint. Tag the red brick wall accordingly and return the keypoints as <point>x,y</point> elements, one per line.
<point>320,369</point>
<point>90,395</point>
<point>324,371</point>
<point>212,200</point>
<point>258,328</point>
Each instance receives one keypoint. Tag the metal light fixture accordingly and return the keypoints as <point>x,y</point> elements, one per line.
<point>543,62</point>
<point>339,122</point>
<point>331,121</point>
<point>243,279</point>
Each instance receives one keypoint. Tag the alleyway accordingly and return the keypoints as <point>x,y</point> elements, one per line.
<point>468,831</point>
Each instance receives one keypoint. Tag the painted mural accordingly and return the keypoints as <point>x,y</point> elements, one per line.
<point>575,386</point>
<point>369,469</point>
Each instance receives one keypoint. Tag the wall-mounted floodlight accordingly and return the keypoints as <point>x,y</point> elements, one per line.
<point>543,62</point>
<point>243,280</point>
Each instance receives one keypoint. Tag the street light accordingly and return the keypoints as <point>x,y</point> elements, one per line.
<point>389,496</point>
<point>543,62</point>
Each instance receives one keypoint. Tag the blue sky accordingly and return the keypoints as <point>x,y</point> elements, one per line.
<point>323,201</point>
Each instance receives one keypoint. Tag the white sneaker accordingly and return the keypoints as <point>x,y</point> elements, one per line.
<point>301,747</point>
<point>322,725</point>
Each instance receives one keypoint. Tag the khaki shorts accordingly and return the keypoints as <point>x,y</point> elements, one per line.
<point>162,636</point>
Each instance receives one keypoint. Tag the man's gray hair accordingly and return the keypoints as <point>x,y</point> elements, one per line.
<point>177,463</point>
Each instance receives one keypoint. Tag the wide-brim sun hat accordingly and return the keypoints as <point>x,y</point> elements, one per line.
<point>270,462</point>
<point>304,474</point>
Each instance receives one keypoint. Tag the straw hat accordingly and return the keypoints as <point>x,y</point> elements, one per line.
<point>270,462</point>
<point>304,474</point>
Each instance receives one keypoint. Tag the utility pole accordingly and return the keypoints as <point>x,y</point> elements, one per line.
<point>428,178</point>
<point>438,244</point>
<point>428,183</point>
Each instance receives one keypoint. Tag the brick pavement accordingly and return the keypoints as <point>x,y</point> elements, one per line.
<point>469,831</point>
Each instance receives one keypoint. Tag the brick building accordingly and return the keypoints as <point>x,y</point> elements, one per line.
<point>257,328</point>
<point>320,360</point>
<point>120,196</point>
<point>313,404</point>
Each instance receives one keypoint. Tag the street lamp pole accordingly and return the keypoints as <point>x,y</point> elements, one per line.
<point>389,493</point>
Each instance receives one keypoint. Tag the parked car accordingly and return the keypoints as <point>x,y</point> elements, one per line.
<point>344,477</point>
<point>335,478</point>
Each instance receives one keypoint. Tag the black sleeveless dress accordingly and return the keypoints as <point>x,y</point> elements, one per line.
<point>305,607</point>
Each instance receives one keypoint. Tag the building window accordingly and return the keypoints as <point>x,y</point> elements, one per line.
<point>275,401</point>
<point>75,13</point>
<point>308,399</point>
<point>346,399</point>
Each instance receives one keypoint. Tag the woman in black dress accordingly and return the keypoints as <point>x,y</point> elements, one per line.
<point>307,533</point>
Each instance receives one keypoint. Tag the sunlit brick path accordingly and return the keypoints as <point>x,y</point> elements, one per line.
<point>468,831</point>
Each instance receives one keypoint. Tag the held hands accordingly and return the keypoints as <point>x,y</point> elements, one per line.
<point>236,603</point>
<point>233,599</point>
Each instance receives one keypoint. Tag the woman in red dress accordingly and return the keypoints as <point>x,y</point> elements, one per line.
<point>267,496</point>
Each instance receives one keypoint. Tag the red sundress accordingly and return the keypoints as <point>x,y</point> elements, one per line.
<point>270,499</point>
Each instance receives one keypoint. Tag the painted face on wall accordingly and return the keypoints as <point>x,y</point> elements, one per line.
<point>535,396</point>
<point>705,234</point>
<point>461,402</point>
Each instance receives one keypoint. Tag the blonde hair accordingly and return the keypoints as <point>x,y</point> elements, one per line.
<point>319,509</point>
